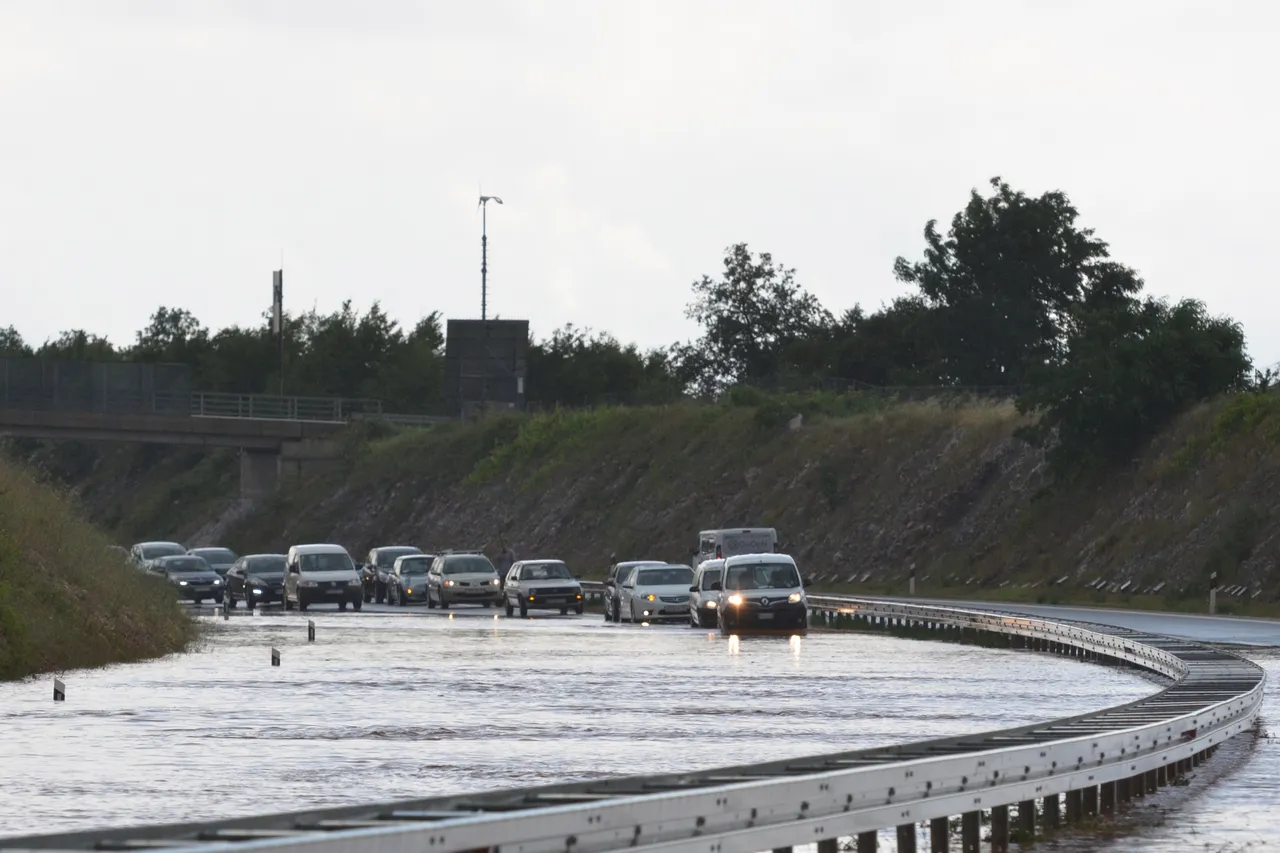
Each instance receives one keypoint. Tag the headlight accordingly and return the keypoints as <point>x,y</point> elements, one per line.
<point>794,598</point>
<point>711,605</point>
<point>735,599</point>
<point>448,583</point>
<point>257,590</point>
<point>649,597</point>
<point>408,592</point>
<point>217,581</point>
<point>182,583</point>
<point>495,581</point>
<point>306,583</point>
<point>354,582</point>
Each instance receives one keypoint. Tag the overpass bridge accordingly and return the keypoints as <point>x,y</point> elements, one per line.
<point>279,438</point>
<point>1092,764</point>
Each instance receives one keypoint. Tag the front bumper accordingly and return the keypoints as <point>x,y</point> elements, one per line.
<point>418,593</point>
<point>469,594</point>
<point>551,601</point>
<point>777,615</point>
<point>196,593</point>
<point>265,595</point>
<point>660,611</point>
<point>330,595</point>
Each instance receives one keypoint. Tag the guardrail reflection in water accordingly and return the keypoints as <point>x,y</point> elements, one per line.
<point>1095,759</point>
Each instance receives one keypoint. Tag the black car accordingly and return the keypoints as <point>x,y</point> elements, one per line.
<point>375,570</point>
<point>256,579</point>
<point>191,576</point>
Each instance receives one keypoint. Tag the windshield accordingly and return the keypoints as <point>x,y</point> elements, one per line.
<point>151,552</point>
<point>179,565</point>
<point>709,577</point>
<point>326,563</point>
<point>216,555</point>
<point>762,576</point>
<point>415,566</point>
<point>546,572</point>
<point>672,576</point>
<point>266,566</point>
<point>387,556</point>
<point>755,542</point>
<point>471,564</point>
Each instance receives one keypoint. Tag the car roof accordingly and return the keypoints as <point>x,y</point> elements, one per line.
<point>170,557</point>
<point>256,556</point>
<point>713,563</point>
<point>415,557</point>
<point>544,562</point>
<point>159,542</point>
<point>318,548</point>
<point>632,563</point>
<point>749,559</point>
<point>398,548</point>
<point>209,548</point>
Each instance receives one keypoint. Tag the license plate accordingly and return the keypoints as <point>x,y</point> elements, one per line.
<point>334,591</point>
<point>765,616</point>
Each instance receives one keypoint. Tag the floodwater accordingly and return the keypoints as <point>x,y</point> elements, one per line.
<point>393,704</point>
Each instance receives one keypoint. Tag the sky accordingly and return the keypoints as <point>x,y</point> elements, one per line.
<point>175,152</point>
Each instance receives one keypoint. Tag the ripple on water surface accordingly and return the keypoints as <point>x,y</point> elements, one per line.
<point>387,707</point>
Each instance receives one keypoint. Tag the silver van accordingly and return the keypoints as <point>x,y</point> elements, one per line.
<point>730,542</point>
<point>703,597</point>
<point>321,574</point>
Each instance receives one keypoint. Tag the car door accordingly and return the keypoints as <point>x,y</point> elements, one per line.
<point>626,588</point>
<point>433,579</point>
<point>291,575</point>
<point>511,590</point>
<point>234,581</point>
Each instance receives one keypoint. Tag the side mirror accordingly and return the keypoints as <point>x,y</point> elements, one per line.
<point>293,570</point>
<point>693,588</point>
<point>716,586</point>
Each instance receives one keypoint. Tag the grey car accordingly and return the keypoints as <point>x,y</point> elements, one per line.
<point>219,559</point>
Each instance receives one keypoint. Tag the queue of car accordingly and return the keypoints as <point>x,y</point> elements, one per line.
<point>740,582</point>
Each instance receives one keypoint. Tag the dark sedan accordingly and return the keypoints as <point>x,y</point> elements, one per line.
<point>219,559</point>
<point>192,577</point>
<point>256,579</point>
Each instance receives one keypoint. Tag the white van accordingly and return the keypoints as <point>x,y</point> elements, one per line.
<point>718,544</point>
<point>321,574</point>
<point>703,598</point>
<point>764,592</point>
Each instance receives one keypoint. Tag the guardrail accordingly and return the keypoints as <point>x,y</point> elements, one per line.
<point>203,404</point>
<point>1211,696</point>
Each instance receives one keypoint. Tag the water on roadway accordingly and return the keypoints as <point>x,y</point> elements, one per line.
<point>396,705</point>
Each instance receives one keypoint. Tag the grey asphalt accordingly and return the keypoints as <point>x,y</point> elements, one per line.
<point>1234,630</point>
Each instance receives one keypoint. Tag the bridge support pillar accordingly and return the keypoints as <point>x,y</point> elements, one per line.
<point>867,842</point>
<point>1027,820</point>
<point>999,829</point>
<point>829,845</point>
<point>1090,797</point>
<point>1052,812</point>
<point>259,472</point>
<point>1108,793</point>
<point>939,835</point>
<point>1138,785</point>
<point>1075,805</point>
<point>1151,783</point>
<point>907,838</point>
<point>1162,775</point>
<point>970,832</point>
<point>782,850</point>
<point>1122,790</point>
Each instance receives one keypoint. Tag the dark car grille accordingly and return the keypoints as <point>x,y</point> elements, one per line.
<point>556,590</point>
<point>674,599</point>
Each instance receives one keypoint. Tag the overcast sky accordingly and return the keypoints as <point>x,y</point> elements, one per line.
<point>168,152</point>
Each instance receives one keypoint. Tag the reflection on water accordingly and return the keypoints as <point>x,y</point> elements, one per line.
<point>386,707</point>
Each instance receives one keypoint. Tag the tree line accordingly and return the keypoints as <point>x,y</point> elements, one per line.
<point>1015,296</point>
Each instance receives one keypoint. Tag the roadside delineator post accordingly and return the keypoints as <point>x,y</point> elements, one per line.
<point>59,690</point>
<point>311,631</point>
<point>913,580</point>
<point>275,656</point>
<point>1213,593</point>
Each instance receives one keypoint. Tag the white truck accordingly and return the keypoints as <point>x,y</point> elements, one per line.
<point>730,542</point>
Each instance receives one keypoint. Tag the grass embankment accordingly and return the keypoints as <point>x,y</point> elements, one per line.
<point>865,487</point>
<point>65,600</point>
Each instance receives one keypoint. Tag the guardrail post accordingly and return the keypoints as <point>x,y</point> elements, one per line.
<point>1108,794</point>
<point>970,831</point>
<point>1090,797</point>
<point>939,835</point>
<point>1052,812</point>
<point>1075,806</point>
<point>829,845</point>
<point>999,829</point>
<point>867,841</point>
<point>907,838</point>
<point>1027,820</point>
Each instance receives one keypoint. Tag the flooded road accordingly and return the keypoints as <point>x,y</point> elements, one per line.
<point>393,705</point>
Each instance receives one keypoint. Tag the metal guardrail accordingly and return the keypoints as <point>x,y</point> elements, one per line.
<point>1212,695</point>
<point>203,404</point>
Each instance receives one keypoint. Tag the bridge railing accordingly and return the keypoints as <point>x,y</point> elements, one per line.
<point>205,404</point>
<point>1212,696</point>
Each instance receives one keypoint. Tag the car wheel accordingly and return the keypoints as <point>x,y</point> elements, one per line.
<point>342,606</point>
<point>231,601</point>
<point>444,602</point>
<point>564,611</point>
<point>578,610</point>
<point>617,612</point>
<point>510,609</point>
<point>431,602</point>
<point>524,609</point>
<point>284,599</point>
<point>357,604</point>
<point>380,592</point>
<point>302,604</point>
<point>607,617</point>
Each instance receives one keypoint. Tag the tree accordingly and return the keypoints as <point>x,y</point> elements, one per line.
<point>79,345</point>
<point>1008,279</point>
<point>750,318</point>
<point>11,343</point>
<point>580,367</point>
<point>173,336</point>
<point>1125,375</point>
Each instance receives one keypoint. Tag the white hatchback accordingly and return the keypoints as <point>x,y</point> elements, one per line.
<point>656,594</point>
